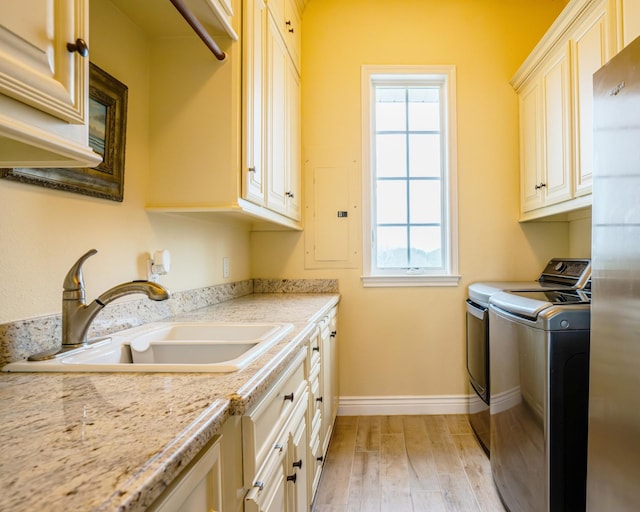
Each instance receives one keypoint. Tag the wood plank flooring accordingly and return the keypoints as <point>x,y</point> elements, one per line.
<point>405,463</point>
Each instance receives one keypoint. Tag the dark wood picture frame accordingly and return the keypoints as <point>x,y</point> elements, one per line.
<point>107,136</point>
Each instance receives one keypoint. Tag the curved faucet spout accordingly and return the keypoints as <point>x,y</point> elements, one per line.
<point>153,291</point>
<point>77,316</point>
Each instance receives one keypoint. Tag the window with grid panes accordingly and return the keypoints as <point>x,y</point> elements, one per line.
<point>409,171</point>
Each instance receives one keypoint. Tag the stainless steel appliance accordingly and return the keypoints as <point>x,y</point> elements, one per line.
<point>613,476</point>
<point>539,399</point>
<point>558,274</point>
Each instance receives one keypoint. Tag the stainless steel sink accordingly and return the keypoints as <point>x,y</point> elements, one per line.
<point>168,347</point>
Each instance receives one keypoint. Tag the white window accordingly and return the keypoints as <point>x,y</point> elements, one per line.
<point>409,176</point>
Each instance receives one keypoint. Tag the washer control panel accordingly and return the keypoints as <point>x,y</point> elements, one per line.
<point>567,271</point>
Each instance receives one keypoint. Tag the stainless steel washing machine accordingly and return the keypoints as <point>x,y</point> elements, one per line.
<point>559,273</point>
<point>539,356</point>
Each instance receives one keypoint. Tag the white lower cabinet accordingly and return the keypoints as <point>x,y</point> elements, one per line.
<point>315,453</point>
<point>268,493</point>
<point>297,466</point>
<point>286,435</point>
<point>198,488</point>
<point>273,455</point>
<point>274,434</point>
<point>329,378</point>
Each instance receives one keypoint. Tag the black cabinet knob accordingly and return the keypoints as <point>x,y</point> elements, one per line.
<point>79,46</point>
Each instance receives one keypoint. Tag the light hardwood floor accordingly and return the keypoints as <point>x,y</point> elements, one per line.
<point>405,463</point>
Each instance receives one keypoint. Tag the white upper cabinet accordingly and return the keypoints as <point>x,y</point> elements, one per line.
<point>545,144</point>
<point>272,156</point>
<point>44,84</point>
<point>555,91</point>
<point>556,183</point>
<point>590,48</point>
<point>283,133</point>
<point>530,146</point>
<point>253,131</point>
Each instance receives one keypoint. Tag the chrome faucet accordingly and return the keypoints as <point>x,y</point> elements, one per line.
<point>77,316</point>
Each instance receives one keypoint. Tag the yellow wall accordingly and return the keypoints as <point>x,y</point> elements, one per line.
<point>394,341</point>
<point>42,232</point>
<point>410,341</point>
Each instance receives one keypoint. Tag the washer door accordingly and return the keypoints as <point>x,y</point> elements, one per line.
<point>478,349</point>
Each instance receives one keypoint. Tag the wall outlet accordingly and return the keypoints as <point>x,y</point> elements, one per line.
<point>225,267</point>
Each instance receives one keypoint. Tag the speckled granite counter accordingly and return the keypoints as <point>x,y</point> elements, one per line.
<point>107,441</point>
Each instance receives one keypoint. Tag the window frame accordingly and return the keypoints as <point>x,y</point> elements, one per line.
<point>445,77</point>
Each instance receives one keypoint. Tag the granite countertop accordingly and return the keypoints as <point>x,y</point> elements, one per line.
<point>113,441</point>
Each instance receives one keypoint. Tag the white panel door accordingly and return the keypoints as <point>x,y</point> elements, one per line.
<point>277,122</point>
<point>590,50</point>
<point>556,184</point>
<point>253,169</point>
<point>530,146</point>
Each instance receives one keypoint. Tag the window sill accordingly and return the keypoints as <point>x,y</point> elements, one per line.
<point>401,281</point>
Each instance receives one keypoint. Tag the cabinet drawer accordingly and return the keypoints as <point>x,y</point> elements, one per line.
<point>265,422</point>
<point>267,491</point>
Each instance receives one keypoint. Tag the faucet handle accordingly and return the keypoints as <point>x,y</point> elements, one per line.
<point>74,283</point>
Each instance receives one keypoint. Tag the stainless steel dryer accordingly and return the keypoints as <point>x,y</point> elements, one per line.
<point>539,398</point>
<point>559,273</point>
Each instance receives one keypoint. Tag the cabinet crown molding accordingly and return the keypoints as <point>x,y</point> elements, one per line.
<point>554,36</point>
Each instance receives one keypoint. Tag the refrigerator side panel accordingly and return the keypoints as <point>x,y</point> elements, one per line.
<point>613,473</point>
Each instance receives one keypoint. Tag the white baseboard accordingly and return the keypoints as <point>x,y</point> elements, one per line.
<point>403,405</point>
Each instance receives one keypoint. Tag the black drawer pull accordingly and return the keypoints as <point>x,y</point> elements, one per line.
<point>297,464</point>
<point>292,478</point>
<point>333,334</point>
<point>288,397</point>
<point>316,349</point>
<point>319,399</point>
<point>320,459</point>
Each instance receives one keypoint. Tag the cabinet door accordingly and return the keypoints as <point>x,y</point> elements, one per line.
<point>198,488</point>
<point>253,168</point>
<point>297,468</point>
<point>36,67</point>
<point>630,20</point>
<point>292,30</point>
<point>556,184</point>
<point>590,51</point>
<point>326,382</point>
<point>530,146</point>
<point>335,369</point>
<point>277,122</point>
<point>293,168</point>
